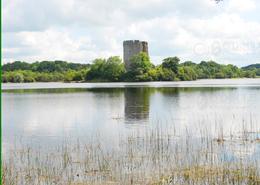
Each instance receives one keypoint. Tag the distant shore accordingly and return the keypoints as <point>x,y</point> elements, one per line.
<point>105,81</point>
<point>113,70</point>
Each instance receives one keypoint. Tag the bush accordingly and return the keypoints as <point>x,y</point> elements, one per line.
<point>18,78</point>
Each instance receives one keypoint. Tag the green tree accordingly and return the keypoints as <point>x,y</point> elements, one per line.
<point>79,75</point>
<point>113,69</point>
<point>18,77</point>
<point>153,74</point>
<point>171,63</point>
<point>96,70</point>
<point>69,75</point>
<point>165,74</point>
<point>140,62</point>
<point>139,68</point>
<point>186,73</point>
<point>258,72</point>
<point>17,65</point>
<point>249,73</point>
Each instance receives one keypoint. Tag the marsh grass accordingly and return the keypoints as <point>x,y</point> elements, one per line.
<point>153,156</point>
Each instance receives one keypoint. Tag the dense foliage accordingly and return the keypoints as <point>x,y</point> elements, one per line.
<point>113,69</point>
<point>46,71</point>
<point>253,67</point>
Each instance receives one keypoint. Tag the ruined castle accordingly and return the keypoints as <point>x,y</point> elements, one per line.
<point>131,48</point>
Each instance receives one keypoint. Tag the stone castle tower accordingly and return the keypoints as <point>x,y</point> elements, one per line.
<point>131,48</point>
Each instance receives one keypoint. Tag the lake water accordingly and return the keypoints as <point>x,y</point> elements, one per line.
<point>43,113</point>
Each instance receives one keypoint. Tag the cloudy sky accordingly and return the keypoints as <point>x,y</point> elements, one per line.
<point>81,30</point>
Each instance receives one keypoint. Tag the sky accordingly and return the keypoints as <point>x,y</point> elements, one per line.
<point>82,30</point>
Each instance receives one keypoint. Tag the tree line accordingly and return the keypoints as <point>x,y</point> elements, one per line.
<point>113,70</point>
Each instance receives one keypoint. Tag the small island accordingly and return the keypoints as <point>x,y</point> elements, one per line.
<point>137,67</point>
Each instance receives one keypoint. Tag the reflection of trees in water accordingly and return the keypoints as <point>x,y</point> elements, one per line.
<point>163,90</point>
<point>175,91</point>
<point>108,91</point>
<point>168,91</point>
<point>137,103</point>
<point>137,100</point>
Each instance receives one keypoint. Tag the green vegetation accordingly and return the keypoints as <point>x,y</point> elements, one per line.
<point>253,67</point>
<point>112,69</point>
<point>46,71</point>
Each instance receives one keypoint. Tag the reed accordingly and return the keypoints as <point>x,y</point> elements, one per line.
<point>152,156</point>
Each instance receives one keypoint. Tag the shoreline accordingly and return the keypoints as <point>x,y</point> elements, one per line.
<point>238,82</point>
<point>93,81</point>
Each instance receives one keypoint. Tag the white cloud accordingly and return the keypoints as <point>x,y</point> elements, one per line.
<point>81,30</point>
<point>241,5</point>
<point>50,45</point>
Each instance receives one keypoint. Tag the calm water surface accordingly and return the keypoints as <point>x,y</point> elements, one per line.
<point>42,113</point>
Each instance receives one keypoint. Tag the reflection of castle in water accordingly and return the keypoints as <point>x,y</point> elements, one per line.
<point>137,102</point>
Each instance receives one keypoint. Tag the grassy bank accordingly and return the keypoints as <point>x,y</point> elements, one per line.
<point>153,157</point>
